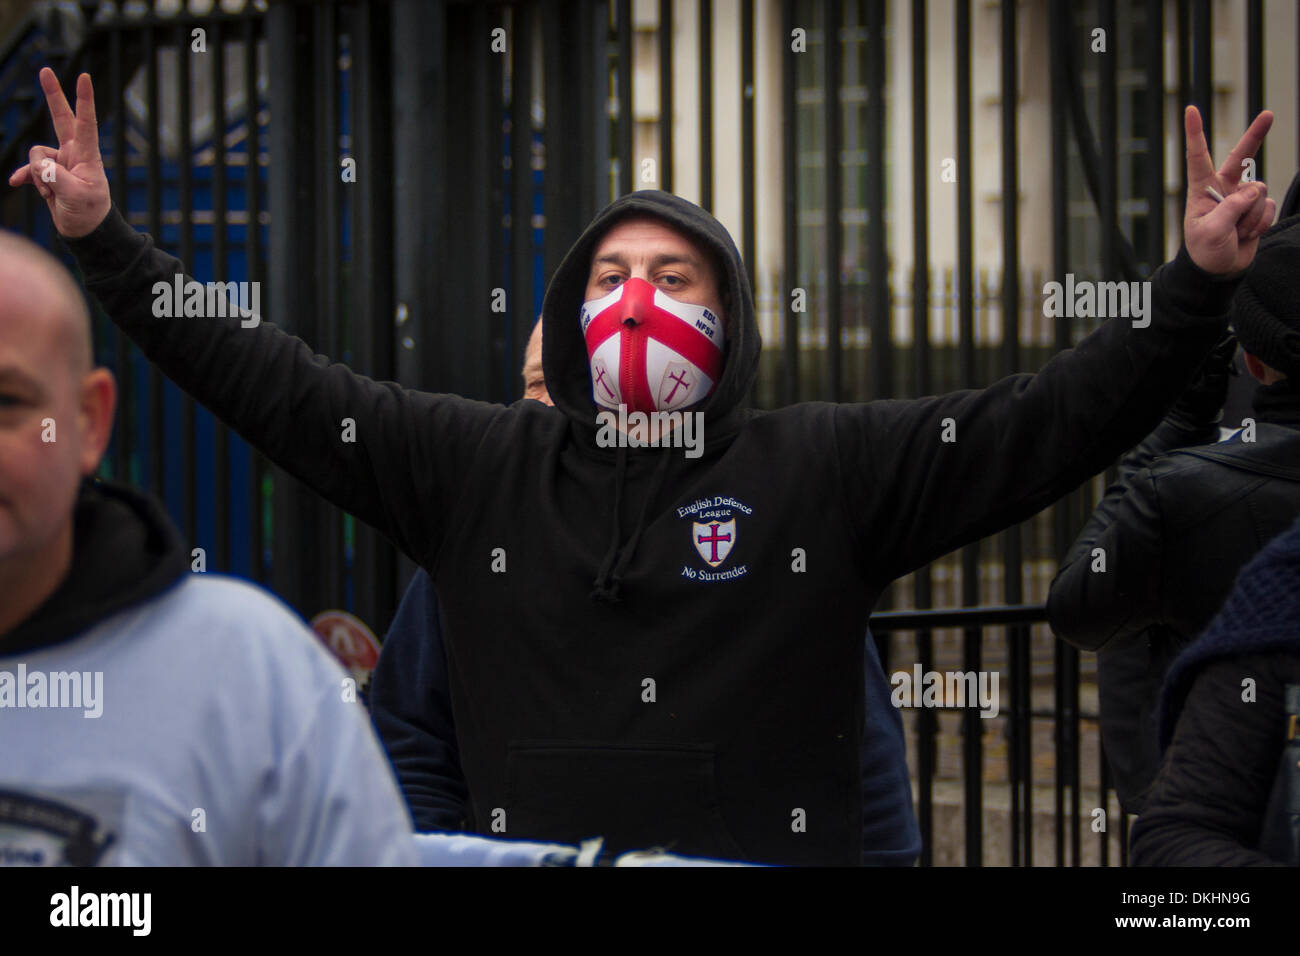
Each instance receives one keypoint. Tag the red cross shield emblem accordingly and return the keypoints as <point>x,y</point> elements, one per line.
<point>605,387</point>
<point>678,386</point>
<point>714,540</point>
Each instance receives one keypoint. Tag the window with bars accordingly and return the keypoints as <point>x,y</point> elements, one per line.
<point>1133,140</point>
<point>852,216</point>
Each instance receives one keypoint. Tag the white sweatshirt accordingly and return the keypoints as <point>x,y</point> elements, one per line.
<point>204,726</point>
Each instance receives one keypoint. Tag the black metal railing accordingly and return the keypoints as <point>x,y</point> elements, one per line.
<point>1069,724</point>
<point>475,167</point>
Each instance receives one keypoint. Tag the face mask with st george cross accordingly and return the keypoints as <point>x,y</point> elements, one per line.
<point>650,352</point>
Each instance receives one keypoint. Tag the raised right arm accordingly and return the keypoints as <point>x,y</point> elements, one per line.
<point>400,472</point>
<point>400,465</point>
<point>1089,605</point>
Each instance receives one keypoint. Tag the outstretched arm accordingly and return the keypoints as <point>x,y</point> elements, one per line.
<point>933,474</point>
<point>391,456</point>
<point>1091,604</point>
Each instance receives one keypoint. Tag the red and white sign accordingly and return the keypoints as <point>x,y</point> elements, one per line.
<point>348,639</point>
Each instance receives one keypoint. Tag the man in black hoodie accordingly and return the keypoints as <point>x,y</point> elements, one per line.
<point>410,702</point>
<point>647,646</point>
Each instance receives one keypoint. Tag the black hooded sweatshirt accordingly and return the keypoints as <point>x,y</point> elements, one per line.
<point>609,677</point>
<point>125,551</point>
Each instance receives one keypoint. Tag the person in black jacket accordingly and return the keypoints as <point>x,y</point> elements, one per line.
<point>1160,552</point>
<point>658,647</point>
<point>410,703</point>
<point>1228,792</point>
<point>410,695</point>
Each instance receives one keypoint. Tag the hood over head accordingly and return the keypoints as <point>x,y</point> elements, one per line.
<point>564,351</point>
<point>568,370</point>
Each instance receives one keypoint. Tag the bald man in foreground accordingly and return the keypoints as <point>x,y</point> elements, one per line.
<point>149,716</point>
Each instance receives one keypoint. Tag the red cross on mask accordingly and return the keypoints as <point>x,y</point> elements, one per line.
<point>649,351</point>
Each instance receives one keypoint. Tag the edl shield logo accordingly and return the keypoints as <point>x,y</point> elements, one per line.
<point>714,540</point>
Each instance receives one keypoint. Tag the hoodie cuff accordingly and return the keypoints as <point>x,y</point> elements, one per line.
<point>1193,290</point>
<point>109,250</point>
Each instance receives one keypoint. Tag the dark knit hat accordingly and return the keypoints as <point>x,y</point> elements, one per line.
<point>1266,307</point>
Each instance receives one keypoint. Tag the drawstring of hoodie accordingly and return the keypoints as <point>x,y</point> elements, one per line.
<point>610,577</point>
<point>601,592</point>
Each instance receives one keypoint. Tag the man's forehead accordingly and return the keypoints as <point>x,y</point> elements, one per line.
<point>639,234</point>
<point>33,340</point>
<point>42,312</point>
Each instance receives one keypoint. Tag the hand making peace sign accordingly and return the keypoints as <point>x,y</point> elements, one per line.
<point>71,178</point>
<point>1221,237</point>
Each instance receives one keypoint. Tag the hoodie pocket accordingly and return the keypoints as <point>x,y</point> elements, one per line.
<point>638,797</point>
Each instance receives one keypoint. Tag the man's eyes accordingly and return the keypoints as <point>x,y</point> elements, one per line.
<point>672,281</point>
